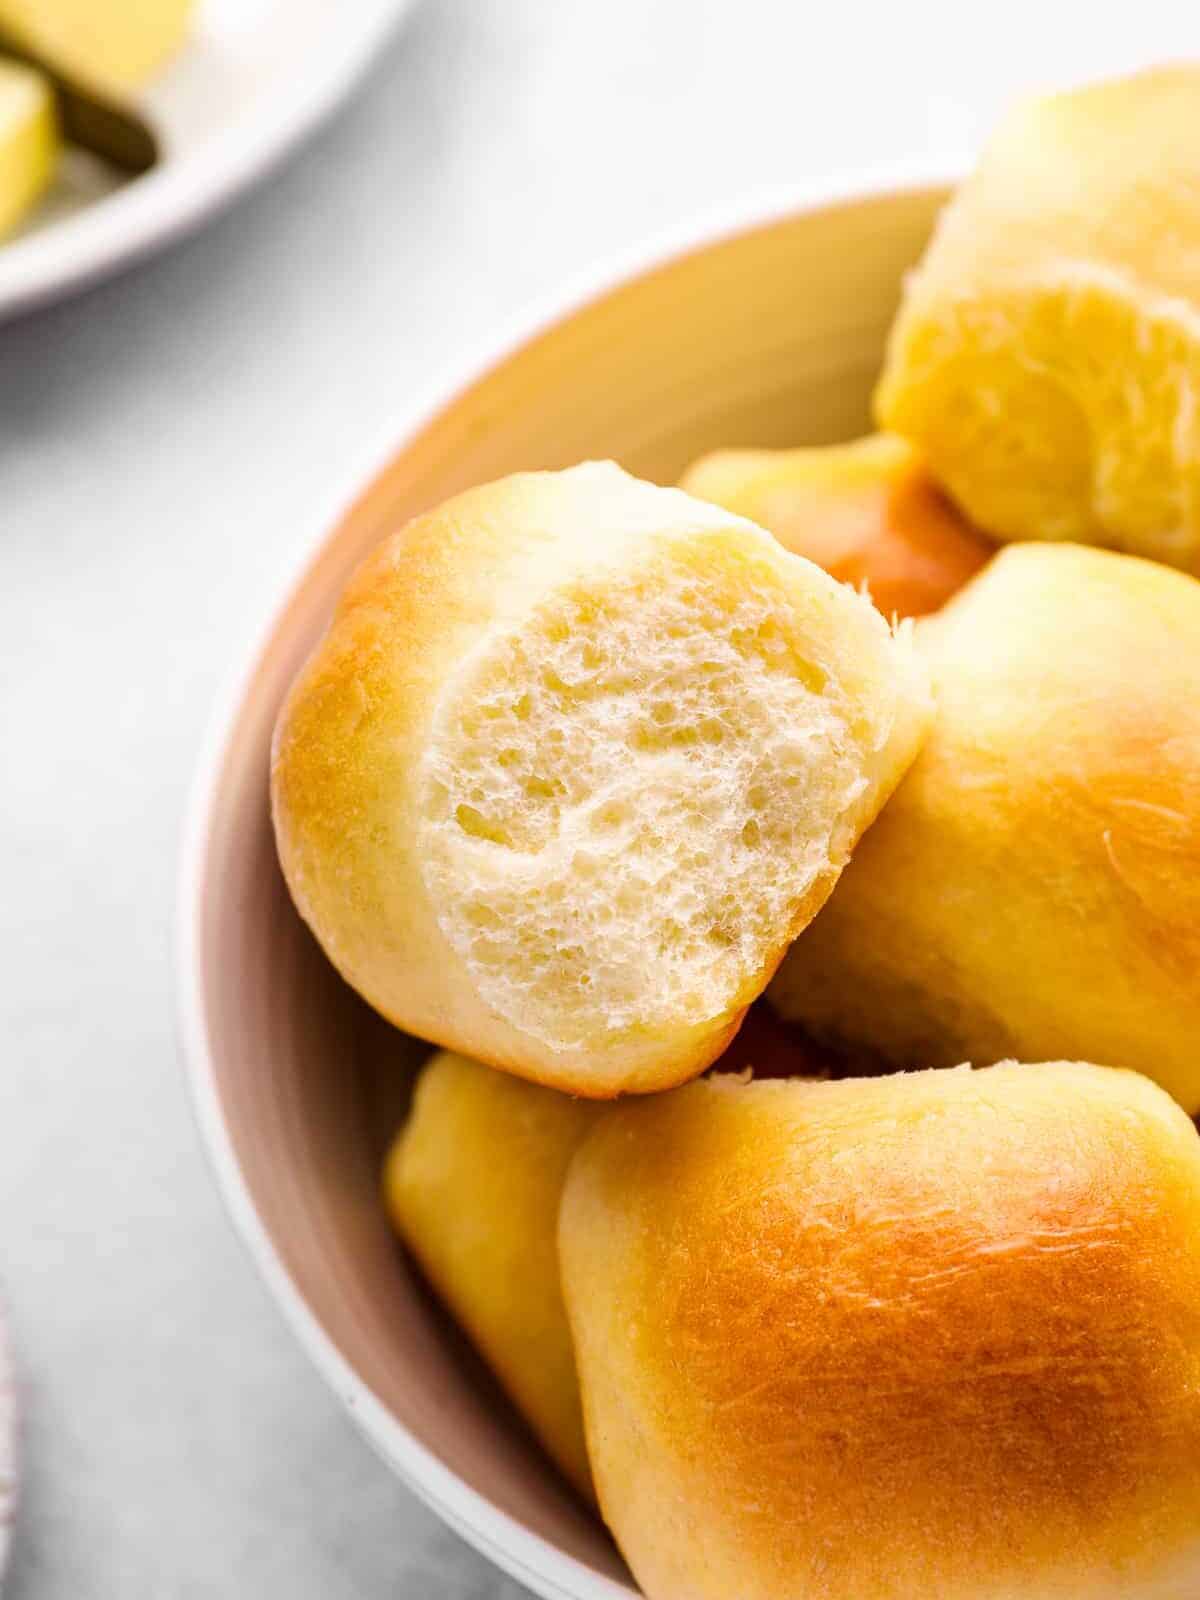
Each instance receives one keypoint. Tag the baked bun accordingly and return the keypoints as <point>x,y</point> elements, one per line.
<point>1033,888</point>
<point>575,762</point>
<point>1046,358</point>
<point>929,1335</point>
<point>473,1184</point>
<point>868,512</point>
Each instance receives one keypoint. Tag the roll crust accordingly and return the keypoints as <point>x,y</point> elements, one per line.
<point>868,512</point>
<point>473,1185</point>
<point>1033,888</point>
<point>930,1334</point>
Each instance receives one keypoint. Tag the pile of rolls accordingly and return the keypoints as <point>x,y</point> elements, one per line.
<point>893,748</point>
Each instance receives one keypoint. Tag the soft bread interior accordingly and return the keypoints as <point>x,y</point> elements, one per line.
<point>1099,453</point>
<point>635,798</point>
<point>1046,357</point>
<point>577,760</point>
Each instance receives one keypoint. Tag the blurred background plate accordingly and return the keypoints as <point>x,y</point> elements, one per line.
<point>255,77</point>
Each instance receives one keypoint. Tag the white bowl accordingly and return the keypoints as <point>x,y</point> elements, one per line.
<point>765,333</point>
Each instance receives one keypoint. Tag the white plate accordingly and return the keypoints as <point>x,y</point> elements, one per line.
<point>254,78</point>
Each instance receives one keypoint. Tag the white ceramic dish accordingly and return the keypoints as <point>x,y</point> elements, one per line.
<point>254,78</point>
<point>765,332</point>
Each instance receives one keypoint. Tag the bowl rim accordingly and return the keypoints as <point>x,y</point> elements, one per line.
<point>514,1548</point>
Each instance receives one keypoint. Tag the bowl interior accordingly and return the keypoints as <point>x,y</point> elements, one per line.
<point>770,336</point>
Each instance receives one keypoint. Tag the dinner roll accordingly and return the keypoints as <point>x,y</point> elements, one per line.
<point>1046,358</point>
<point>932,1336</point>
<point>576,760</point>
<point>1033,888</point>
<point>868,512</point>
<point>473,1184</point>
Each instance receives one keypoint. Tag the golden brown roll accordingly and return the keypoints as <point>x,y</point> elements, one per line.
<point>473,1184</point>
<point>868,512</point>
<point>576,760</point>
<point>1046,358</point>
<point>928,1335</point>
<point>1033,888</point>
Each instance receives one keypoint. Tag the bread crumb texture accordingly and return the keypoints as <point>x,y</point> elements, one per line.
<point>629,800</point>
<point>1046,358</point>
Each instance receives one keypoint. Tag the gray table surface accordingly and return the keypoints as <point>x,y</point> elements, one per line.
<point>164,440</point>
